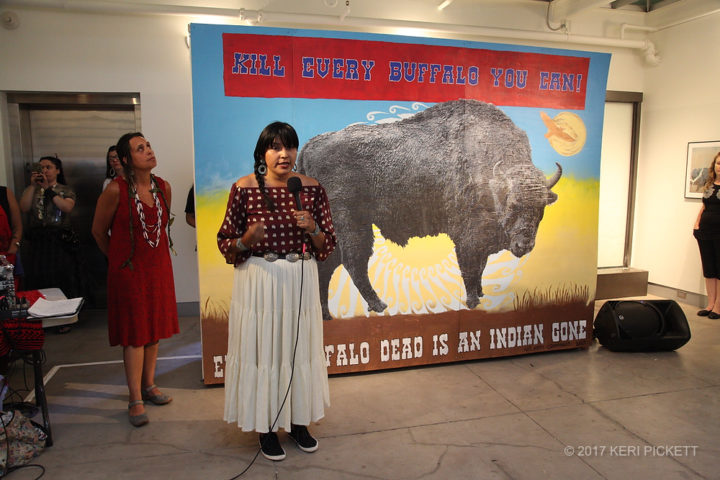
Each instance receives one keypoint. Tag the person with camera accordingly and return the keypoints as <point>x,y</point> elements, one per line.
<point>48,196</point>
<point>53,254</point>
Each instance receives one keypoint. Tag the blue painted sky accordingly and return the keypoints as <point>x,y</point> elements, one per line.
<point>226,128</point>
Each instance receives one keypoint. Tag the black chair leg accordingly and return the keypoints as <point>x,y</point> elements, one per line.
<point>40,398</point>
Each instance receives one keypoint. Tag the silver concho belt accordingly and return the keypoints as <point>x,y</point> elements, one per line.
<point>290,257</point>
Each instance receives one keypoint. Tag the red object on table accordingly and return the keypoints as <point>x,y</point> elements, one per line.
<point>21,333</point>
<point>30,295</point>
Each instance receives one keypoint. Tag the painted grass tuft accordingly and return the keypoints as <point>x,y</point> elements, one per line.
<point>215,311</point>
<point>564,295</point>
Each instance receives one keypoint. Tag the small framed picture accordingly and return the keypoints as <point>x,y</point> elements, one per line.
<point>699,156</point>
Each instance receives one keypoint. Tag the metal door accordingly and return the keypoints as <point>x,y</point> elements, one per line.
<point>78,129</point>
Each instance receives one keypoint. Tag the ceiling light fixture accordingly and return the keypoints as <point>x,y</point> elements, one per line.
<point>444,4</point>
<point>346,12</point>
<point>250,17</point>
<point>9,20</point>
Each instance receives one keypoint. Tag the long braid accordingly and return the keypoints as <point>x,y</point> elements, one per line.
<point>171,216</point>
<point>260,177</point>
<point>131,187</point>
<point>123,150</point>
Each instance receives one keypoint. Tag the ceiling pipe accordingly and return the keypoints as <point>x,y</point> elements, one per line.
<point>628,26</point>
<point>689,19</point>
<point>560,10</point>
<point>291,18</point>
<point>272,18</point>
<point>104,6</point>
<point>650,53</point>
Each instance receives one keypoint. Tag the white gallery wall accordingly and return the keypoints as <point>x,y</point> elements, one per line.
<point>681,104</point>
<point>65,51</point>
<point>76,52</point>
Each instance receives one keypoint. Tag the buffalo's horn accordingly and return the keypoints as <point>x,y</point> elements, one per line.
<point>550,182</point>
<point>495,166</point>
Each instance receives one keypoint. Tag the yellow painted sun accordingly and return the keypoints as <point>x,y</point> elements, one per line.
<point>566,132</point>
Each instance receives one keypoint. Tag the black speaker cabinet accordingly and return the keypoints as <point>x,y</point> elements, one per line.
<point>641,325</point>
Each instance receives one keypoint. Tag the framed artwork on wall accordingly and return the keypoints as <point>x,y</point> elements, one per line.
<point>699,156</point>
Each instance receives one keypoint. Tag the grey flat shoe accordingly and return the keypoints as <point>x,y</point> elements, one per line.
<point>137,420</point>
<point>160,399</point>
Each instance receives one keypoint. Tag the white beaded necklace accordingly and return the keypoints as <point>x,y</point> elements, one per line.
<point>154,228</point>
<point>40,207</point>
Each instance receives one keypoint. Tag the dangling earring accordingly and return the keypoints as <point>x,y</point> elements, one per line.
<point>113,174</point>
<point>262,168</point>
<point>294,169</point>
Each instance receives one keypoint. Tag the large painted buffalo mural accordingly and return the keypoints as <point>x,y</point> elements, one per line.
<point>460,238</point>
<point>461,167</point>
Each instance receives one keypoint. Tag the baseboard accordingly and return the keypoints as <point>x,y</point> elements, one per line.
<point>188,309</point>
<point>680,296</point>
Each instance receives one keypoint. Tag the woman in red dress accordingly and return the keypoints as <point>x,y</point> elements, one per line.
<point>141,292</point>
<point>10,227</point>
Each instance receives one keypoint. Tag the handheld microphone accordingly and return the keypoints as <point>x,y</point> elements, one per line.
<point>295,185</point>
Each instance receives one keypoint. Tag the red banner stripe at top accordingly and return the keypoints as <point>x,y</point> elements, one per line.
<point>307,67</point>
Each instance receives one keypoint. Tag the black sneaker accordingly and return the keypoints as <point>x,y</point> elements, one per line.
<point>270,447</point>
<point>302,437</point>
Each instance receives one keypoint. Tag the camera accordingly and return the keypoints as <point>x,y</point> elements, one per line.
<point>36,168</point>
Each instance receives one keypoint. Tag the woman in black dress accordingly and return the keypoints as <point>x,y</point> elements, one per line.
<point>707,233</point>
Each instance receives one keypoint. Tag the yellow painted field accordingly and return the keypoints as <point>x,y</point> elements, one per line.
<point>424,276</point>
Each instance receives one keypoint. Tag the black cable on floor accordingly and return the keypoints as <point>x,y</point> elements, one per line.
<point>26,408</point>
<point>292,371</point>
<point>7,470</point>
<point>29,465</point>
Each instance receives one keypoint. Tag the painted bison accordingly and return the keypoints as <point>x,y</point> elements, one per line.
<point>460,167</point>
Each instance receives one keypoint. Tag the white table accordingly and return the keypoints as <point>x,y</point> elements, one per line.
<point>56,321</point>
<point>36,356</point>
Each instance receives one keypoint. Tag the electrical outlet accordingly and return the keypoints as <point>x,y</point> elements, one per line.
<point>681,294</point>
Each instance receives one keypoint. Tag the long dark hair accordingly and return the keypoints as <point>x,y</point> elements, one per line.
<point>58,164</point>
<point>287,135</point>
<point>125,155</point>
<point>109,170</point>
<point>711,172</point>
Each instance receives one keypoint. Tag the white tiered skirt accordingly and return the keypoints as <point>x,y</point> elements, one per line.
<point>262,329</point>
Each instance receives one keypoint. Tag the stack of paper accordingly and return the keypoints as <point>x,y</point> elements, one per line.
<point>55,308</point>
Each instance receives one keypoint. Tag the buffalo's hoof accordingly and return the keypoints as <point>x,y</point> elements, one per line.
<point>472,302</point>
<point>377,306</point>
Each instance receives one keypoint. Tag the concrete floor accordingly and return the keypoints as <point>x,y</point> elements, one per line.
<point>580,414</point>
